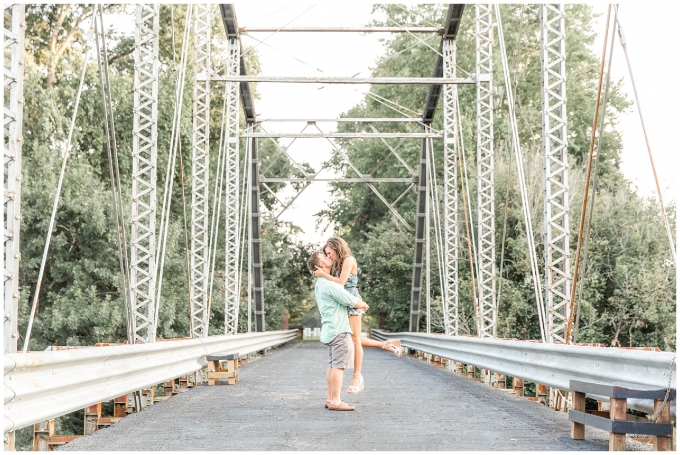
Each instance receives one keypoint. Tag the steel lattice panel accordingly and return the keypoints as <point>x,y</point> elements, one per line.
<point>199,171</point>
<point>555,167</point>
<point>450,192</point>
<point>13,76</point>
<point>144,156</point>
<point>485,173</point>
<point>232,240</point>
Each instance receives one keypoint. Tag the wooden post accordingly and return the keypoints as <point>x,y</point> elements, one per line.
<point>518,386</point>
<point>617,411</point>
<point>662,443</point>
<point>459,368</point>
<point>542,394</point>
<point>501,381</point>
<point>92,414</point>
<point>471,371</point>
<point>578,430</point>
<point>485,376</point>
<point>120,406</point>
<point>42,432</point>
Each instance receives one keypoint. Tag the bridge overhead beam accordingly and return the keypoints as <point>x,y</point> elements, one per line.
<point>555,169</point>
<point>486,244</point>
<point>144,157</point>
<point>450,30</point>
<point>200,162</point>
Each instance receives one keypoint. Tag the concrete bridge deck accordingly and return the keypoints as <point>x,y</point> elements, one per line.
<point>407,405</point>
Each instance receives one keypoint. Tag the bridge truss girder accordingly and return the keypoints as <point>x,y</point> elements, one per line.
<point>555,170</point>
<point>450,285</point>
<point>232,234</point>
<point>14,28</point>
<point>450,30</point>
<point>144,158</point>
<point>200,164</point>
<point>486,244</point>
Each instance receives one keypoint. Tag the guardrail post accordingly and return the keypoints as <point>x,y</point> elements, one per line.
<point>617,441</point>
<point>92,414</point>
<point>500,381</point>
<point>470,371</point>
<point>518,386</point>
<point>485,376</point>
<point>662,443</point>
<point>542,394</point>
<point>120,406</point>
<point>42,432</point>
<point>578,430</point>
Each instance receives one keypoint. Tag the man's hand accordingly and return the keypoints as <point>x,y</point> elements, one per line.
<point>361,305</point>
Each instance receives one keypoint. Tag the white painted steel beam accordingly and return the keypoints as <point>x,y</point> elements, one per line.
<point>232,232</point>
<point>14,28</point>
<point>335,135</point>
<point>246,30</point>
<point>346,80</point>
<point>450,285</point>
<point>543,363</point>
<point>144,156</point>
<point>555,170</point>
<point>485,175</point>
<point>45,385</point>
<point>13,85</point>
<point>200,172</point>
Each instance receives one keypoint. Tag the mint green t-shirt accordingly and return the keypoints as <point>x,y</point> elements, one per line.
<point>333,301</point>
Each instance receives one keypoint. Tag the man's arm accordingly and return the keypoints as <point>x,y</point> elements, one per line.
<point>340,295</point>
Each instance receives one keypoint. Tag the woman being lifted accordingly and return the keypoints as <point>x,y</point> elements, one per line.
<point>344,272</point>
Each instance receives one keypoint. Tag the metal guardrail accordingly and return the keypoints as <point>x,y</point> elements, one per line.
<point>551,364</point>
<point>45,385</point>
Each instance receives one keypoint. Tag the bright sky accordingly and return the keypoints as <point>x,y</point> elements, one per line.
<point>652,40</point>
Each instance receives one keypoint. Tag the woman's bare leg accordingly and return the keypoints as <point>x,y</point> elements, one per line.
<point>355,325</point>
<point>394,348</point>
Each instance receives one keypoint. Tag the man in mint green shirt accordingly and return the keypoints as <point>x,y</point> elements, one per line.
<point>333,301</point>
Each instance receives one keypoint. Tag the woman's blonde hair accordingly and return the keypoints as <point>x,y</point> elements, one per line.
<point>342,252</point>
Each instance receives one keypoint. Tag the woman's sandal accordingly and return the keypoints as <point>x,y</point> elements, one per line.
<point>353,390</point>
<point>394,346</point>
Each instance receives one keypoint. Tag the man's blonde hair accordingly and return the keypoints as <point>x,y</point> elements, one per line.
<point>314,261</point>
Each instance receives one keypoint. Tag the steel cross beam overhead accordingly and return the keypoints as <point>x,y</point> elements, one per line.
<point>485,175</point>
<point>144,154</point>
<point>200,162</point>
<point>451,24</point>
<point>555,168</point>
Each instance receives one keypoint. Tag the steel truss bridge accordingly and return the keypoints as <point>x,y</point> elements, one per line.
<point>74,379</point>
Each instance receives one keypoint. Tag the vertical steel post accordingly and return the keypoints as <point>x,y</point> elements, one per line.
<point>421,214</point>
<point>555,168</point>
<point>14,27</point>
<point>485,175</point>
<point>450,192</point>
<point>144,154</point>
<point>232,241</point>
<point>200,268</point>
<point>255,236</point>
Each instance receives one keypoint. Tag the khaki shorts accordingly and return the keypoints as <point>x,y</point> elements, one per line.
<point>341,351</point>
